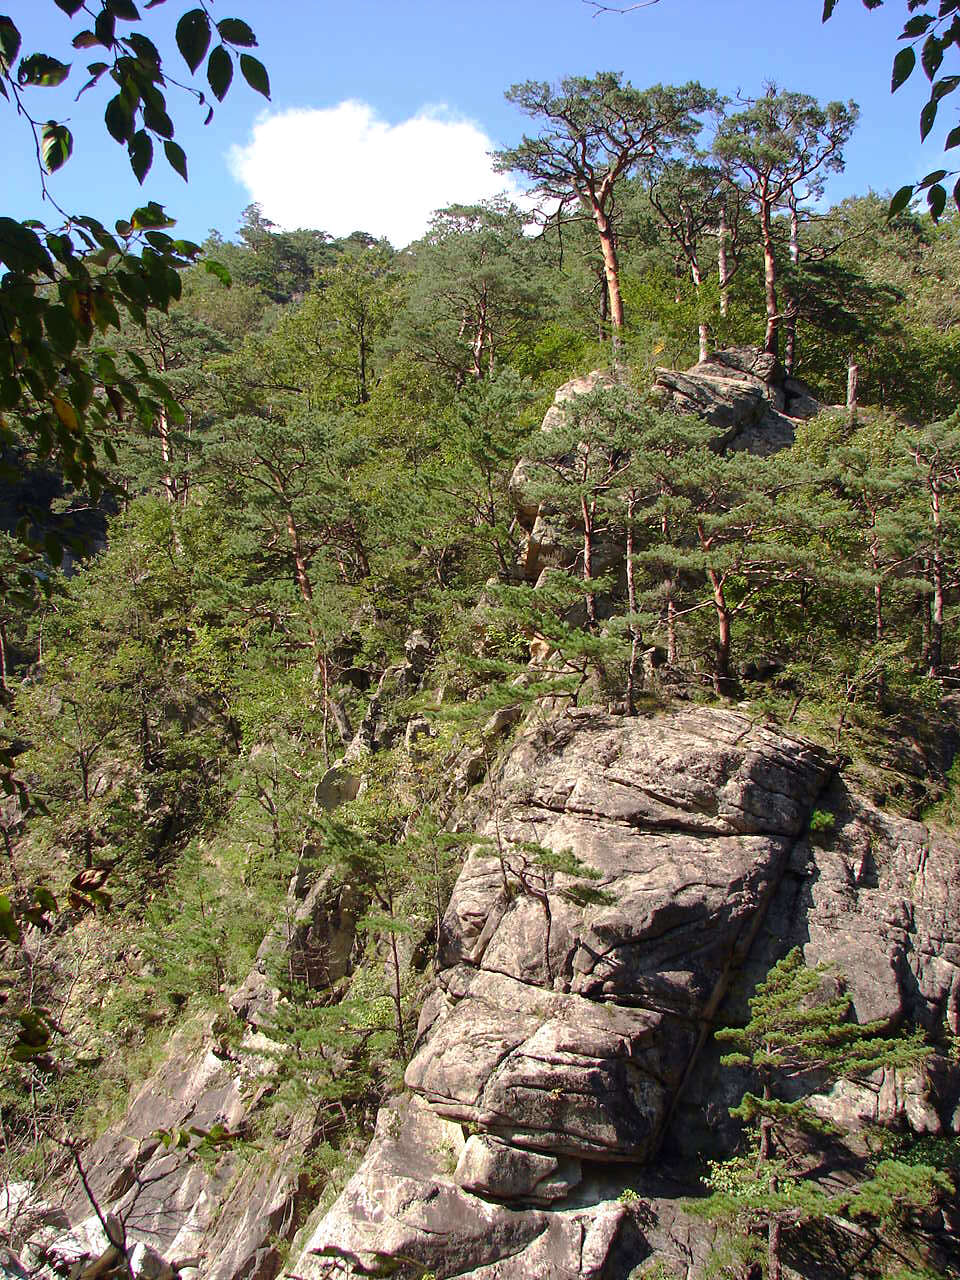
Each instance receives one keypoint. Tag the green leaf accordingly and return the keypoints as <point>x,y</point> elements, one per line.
<point>85,40</point>
<point>105,27</point>
<point>125,10</point>
<point>220,72</point>
<point>69,7</point>
<point>917,26</point>
<point>41,69</point>
<point>61,329</point>
<point>151,217</point>
<point>255,74</point>
<point>119,119</point>
<point>144,48</point>
<point>931,56</point>
<point>45,899</point>
<point>141,154</point>
<point>235,31</point>
<point>900,201</point>
<point>903,64</point>
<point>9,928</point>
<point>21,249</point>
<point>66,413</point>
<point>35,1031</point>
<point>956,193</point>
<point>937,200</point>
<point>56,145</point>
<point>953,138</point>
<point>927,118</point>
<point>9,42</point>
<point>156,118</point>
<point>193,37</point>
<point>943,87</point>
<point>53,549</point>
<point>176,158</point>
<point>96,70</point>
<point>828,8</point>
<point>219,270</point>
<point>9,393</point>
<point>931,178</point>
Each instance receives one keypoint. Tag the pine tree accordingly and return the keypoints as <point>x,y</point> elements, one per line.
<point>799,1041</point>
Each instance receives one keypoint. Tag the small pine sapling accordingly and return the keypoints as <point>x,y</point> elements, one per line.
<point>799,1041</point>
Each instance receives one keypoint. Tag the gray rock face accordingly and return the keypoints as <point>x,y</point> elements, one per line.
<point>490,1167</point>
<point>314,940</point>
<point>561,1035</point>
<point>564,1054</point>
<point>567,1029</point>
<point>403,1203</point>
<point>545,545</point>
<point>173,1207</point>
<point>744,394</point>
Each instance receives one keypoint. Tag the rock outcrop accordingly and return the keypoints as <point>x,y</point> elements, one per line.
<point>221,1219</point>
<point>563,1082</point>
<point>562,1056</point>
<point>563,1076</point>
<point>744,393</point>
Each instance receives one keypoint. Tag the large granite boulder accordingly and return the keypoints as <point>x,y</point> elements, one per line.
<point>561,1031</point>
<point>744,393</point>
<point>403,1214</point>
<point>563,1071</point>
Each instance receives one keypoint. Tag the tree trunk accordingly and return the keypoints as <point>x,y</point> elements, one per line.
<point>397,990</point>
<point>363,395</point>
<point>774,1233</point>
<point>877,613</point>
<point>163,430</point>
<point>703,332</point>
<point>632,606</point>
<point>790,355</point>
<point>935,651</point>
<point>668,592</point>
<point>480,339</point>
<point>299,560</point>
<point>722,265</point>
<point>721,674</point>
<point>587,513</point>
<point>611,271</point>
<point>771,341</point>
<point>721,670</point>
<point>853,373</point>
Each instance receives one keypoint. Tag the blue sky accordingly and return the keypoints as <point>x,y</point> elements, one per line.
<point>382,109</point>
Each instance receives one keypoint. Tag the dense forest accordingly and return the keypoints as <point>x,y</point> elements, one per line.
<point>327,490</point>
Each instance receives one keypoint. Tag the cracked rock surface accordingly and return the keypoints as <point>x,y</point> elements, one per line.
<point>565,1032</point>
<point>744,393</point>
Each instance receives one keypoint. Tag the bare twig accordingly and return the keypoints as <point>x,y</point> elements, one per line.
<point>599,8</point>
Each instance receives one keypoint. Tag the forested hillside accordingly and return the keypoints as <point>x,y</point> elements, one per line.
<point>341,561</point>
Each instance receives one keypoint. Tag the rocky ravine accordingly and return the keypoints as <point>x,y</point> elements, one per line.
<point>564,1054</point>
<point>562,1051</point>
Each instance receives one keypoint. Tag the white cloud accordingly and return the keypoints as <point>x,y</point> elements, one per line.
<point>344,168</point>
